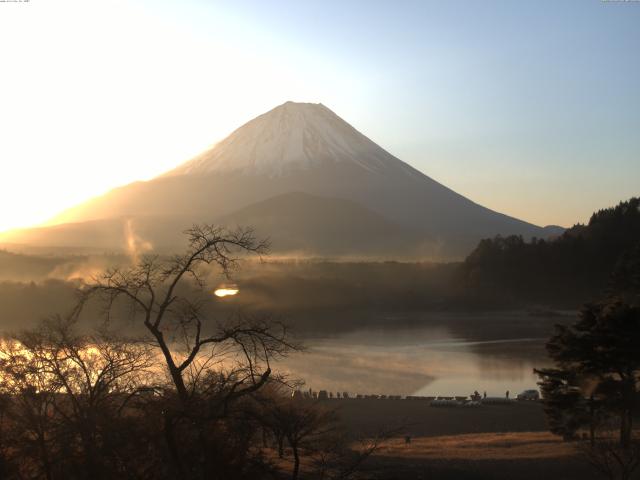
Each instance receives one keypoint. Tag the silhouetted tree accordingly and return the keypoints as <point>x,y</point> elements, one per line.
<point>610,459</point>
<point>564,402</point>
<point>597,357</point>
<point>625,279</point>
<point>211,364</point>
<point>342,456</point>
<point>303,423</point>
<point>65,394</point>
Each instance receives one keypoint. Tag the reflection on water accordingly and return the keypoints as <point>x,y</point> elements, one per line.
<point>226,291</point>
<point>428,360</point>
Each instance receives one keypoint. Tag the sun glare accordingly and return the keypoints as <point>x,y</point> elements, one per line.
<point>225,292</point>
<point>56,145</point>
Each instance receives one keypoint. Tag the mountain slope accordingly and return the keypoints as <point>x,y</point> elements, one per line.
<point>296,223</point>
<point>310,225</point>
<point>307,148</point>
<point>111,234</point>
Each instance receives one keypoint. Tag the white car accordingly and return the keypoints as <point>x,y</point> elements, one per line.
<point>529,395</point>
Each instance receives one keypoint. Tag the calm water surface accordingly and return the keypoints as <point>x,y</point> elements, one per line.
<point>453,355</point>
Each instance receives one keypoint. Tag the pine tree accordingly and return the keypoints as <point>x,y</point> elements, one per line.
<point>597,360</point>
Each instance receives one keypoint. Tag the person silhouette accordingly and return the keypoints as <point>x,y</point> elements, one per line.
<point>485,394</point>
<point>507,394</point>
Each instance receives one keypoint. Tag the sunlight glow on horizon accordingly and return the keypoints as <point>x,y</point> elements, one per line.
<point>95,95</point>
<point>103,102</point>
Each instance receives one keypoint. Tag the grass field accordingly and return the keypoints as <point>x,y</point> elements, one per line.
<point>501,456</point>
<point>492,442</point>
<point>478,456</point>
<point>482,446</point>
<point>418,419</point>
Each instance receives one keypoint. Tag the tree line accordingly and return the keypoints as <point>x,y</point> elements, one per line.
<point>567,270</point>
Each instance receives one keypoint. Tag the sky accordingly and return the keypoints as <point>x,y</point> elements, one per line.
<point>529,108</point>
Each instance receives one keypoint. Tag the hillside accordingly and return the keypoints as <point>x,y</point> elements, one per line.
<point>575,266</point>
<point>310,225</point>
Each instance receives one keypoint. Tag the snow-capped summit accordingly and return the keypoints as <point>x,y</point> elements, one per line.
<point>290,137</point>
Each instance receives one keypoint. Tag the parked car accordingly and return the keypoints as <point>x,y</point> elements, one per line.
<point>529,395</point>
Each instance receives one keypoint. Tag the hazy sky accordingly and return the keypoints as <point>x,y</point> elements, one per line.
<point>531,108</point>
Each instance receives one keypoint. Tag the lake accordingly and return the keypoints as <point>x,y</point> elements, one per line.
<point>428,354</point>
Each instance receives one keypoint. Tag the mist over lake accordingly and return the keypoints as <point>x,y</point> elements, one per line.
<point>427,354</point>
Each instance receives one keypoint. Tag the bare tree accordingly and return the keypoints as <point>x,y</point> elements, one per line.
<point>211,364</point>
<point>169,404</point>
<point>314,431</point>
<point>65,393</point>
<point>29,397</point>
<point>304,424</point>
<point>343,457</point>
<point>611,460</point>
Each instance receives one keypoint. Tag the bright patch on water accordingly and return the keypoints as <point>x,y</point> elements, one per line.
<point>225,292</point>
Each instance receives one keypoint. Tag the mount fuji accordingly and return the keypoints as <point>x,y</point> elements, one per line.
<point>300,175</point>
